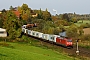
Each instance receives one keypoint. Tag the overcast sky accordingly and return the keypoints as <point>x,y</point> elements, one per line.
<point>62,6</point>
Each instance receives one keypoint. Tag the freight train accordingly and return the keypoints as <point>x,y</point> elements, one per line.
<point>64,41</point>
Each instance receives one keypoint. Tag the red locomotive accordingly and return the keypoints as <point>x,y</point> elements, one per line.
<point>64,41</point>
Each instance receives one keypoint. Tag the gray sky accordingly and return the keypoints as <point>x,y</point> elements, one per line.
<point>62,6</point>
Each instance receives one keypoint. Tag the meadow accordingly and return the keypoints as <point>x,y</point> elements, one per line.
<point>19,51</point>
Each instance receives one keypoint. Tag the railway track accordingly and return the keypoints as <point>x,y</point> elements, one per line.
<point>82,51</point>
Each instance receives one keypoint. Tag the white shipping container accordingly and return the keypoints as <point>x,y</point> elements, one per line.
<point>24,26</point>
<point>29,32</point>
<point>45,36</point>
<point>53,37</point>
<point>33,33</point>
<point>39,34</point>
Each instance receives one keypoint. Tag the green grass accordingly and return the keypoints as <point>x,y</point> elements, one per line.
<point>84,22</point>
<point>15,51</point>
<point>85,44</point>
<point>79,23</point>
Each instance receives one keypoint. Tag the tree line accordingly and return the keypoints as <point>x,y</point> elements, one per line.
<point>13,19</point>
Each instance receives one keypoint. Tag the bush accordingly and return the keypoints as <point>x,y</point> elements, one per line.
<point>72,31</point>
<point>85,38</point>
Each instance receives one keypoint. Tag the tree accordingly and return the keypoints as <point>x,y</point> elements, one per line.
<point>65,17</point>
<point>3,17</point>
<point>50,30</point>
<point>46,15</point>
<point>81,32</point>
<point>3,11</point>
<point>25,12</point>
<point>11,8</point>
<point>20,10</point>
<point>1,21</point>
<point>74,19</point>
<point>57,30</point>
<point>54,18</point>
<point>40,14</point>
<point>61,22</point>
<point>45,29</point>
<point>24,7</point>
<point>72,31</point>
<point>12,25</point>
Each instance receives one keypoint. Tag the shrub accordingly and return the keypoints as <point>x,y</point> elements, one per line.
<point>85,37</point>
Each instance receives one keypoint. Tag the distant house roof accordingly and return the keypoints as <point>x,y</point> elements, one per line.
<point>16,8</point>
<point>34,14</point>
<point>17,13</point>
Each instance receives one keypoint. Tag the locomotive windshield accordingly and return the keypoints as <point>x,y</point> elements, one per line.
<point>69,40</point>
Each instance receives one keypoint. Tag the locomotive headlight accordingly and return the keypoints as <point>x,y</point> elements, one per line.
<point>71,43</point>
<point>67,43</point>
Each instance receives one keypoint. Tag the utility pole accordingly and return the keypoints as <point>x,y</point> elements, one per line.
<point>77,51</point>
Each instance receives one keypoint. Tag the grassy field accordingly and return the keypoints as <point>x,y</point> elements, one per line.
<point>17,51</point>
<point>84,22</point>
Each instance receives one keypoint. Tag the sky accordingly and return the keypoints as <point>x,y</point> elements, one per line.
<point>61,6</point>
